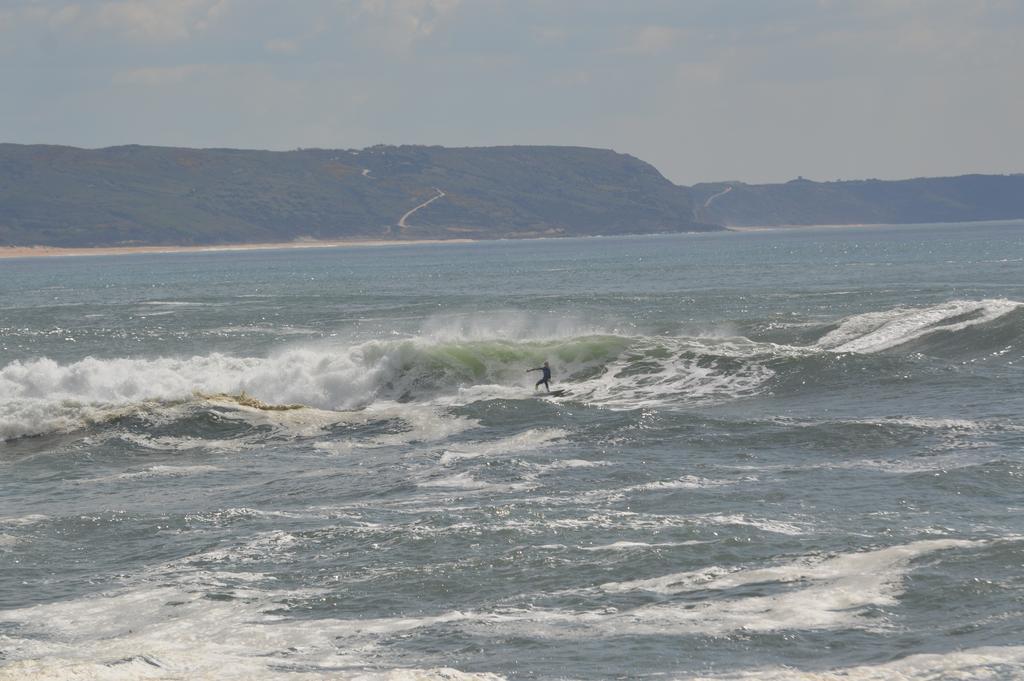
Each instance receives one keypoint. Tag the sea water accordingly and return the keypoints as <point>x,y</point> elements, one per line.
<point>786,454</point>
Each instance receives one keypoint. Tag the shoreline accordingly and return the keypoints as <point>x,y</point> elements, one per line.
<point>15,252</point>
<point>790,228</point>
<point>12,252</point>
<point>866,225</point>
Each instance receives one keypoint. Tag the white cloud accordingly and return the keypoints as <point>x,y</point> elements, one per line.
<point>51,17</point>
<point>921,44</point>
<point>159,20</point>
<point>213,14</point>
<point>138,20</point>
<point>400,24</point>
<point>66,15</point>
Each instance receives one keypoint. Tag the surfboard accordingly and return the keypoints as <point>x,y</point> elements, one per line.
<point>557,393</point>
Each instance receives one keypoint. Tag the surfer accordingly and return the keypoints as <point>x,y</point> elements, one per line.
<point>545,376</point>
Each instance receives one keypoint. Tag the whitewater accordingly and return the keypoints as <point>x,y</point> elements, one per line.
<point>790,454</point>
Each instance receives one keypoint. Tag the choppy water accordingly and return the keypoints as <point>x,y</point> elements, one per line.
<point>788,454</point>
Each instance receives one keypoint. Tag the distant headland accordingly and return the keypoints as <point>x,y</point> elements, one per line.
<point>58,197</point>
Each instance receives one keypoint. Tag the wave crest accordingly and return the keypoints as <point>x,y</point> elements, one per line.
<point>455,361</point>
<point>877,331</point>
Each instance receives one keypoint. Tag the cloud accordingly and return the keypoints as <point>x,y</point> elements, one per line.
<point>139,20</point>
<point>213,14</point>
<point>42,15</point>
<point>159,20</point>
<point>653,39</point>
<point>550,34</point>
<point>691,74</point>
<point>571,78</point>
<point>920,40</point>
<point>62,16</point>
<point>153,76</point>
<point>281,46</point>
<point>401,24</point>
<point>702,88</point>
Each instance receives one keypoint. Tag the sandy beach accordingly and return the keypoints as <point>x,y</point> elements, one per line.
<point>7,252</point>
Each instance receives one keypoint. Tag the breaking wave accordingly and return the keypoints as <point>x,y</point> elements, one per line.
<point>41,395</point>
<point>472,363</point>
<point>877,331</point>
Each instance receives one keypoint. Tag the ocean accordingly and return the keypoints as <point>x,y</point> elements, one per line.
<point>788,454</point>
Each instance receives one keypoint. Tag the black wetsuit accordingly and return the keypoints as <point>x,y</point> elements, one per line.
<point>544,378</point>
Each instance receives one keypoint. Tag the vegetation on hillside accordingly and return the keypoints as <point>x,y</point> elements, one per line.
<point>802,202</point>
<point>134,195</point>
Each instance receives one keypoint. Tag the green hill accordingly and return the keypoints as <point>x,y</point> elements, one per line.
<point>135,195</point>
<point>802,202</point>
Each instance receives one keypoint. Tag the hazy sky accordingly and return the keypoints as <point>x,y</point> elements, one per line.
<point>751,90</point>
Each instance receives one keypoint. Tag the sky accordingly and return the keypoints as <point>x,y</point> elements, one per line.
<point>705,90</point>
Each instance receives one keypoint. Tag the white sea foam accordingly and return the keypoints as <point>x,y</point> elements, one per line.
<point>683,482</point>
<point>40,396</point>
<point>230,642</point>
<point>666,371</point>
<point>767,525</point>
<point>640,545</point>
<point>874,573</point>
<point>532,441</point>
<point>954,460</point>
<point>439,674</point>
<point>528,440</point>
<point>170,633</point>
<point>961,425</point>
<point>426,423</point>
<point>168,472</point>
<point>173,631</point>
<point>22,417</point>
<point>420,423</point>
<point>176,444</point>
<point>466,482</point>
<point>273,546</point>
<point>458,481</point>
<point>987,663</point>
<point>812,593</point>
<point>567,464</point>
<point>451,362</point>
<point>819,593</point>
<point>266,329</point>
<point>309,422</point>
<point>21,521</point>
<point>876,331</point>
